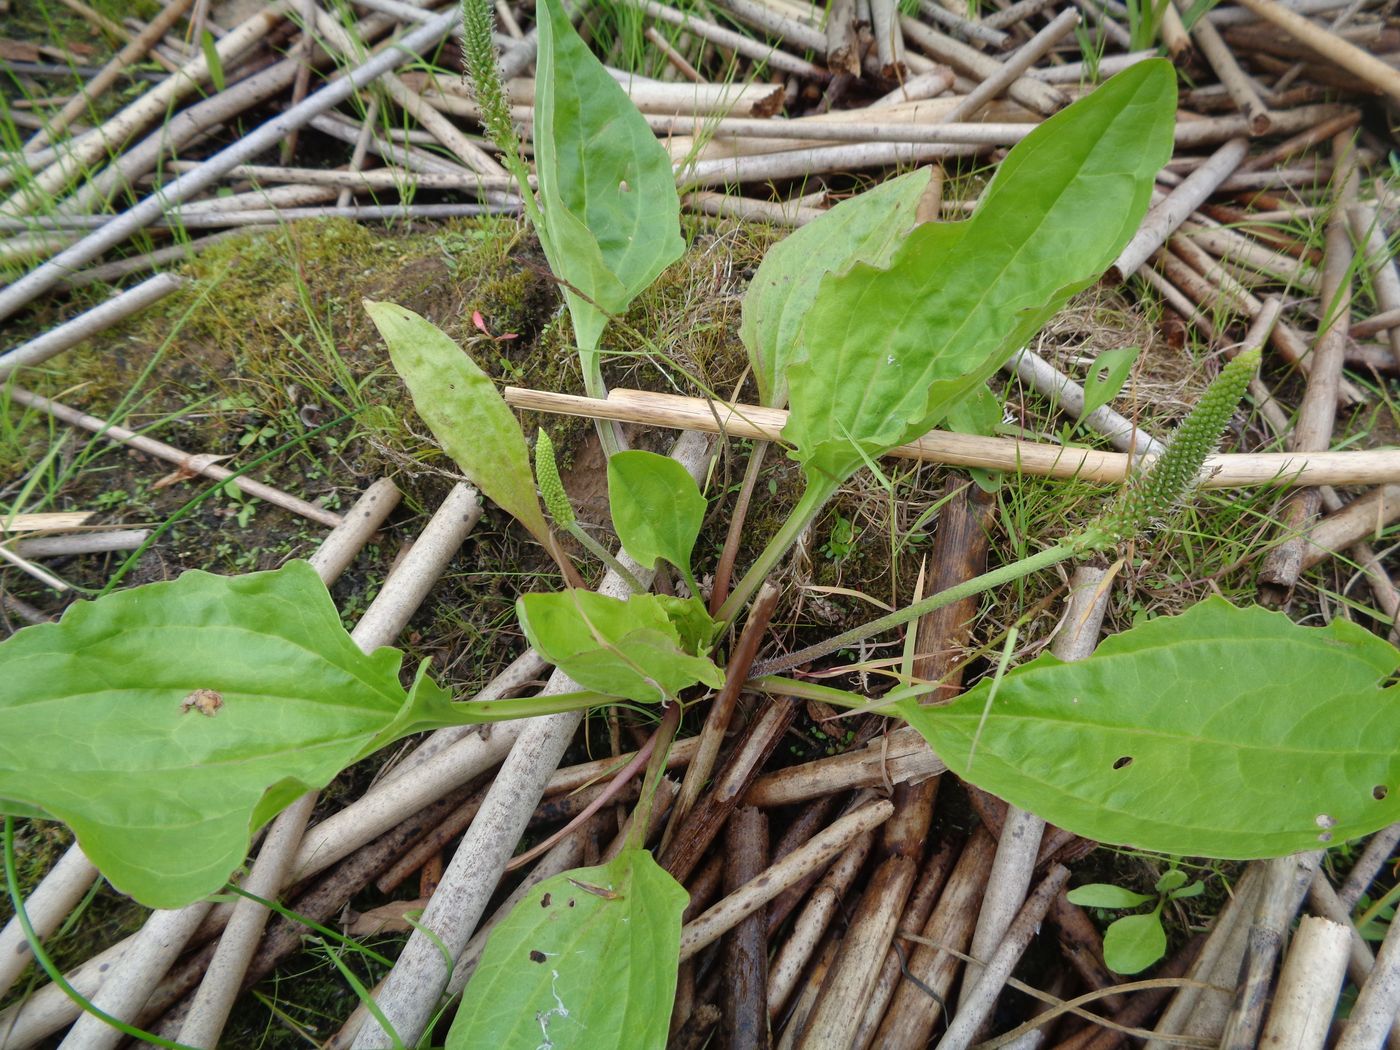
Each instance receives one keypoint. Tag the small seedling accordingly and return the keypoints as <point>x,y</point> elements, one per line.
<point>1134,942</point>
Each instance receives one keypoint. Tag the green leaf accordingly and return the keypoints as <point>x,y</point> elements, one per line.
<point>626,648</point>
<point>464,410</point>
<point>607,191</point>
<point>1106,895</point>
<point>1194,889</point>
<point>866,228</point>
<point>1133,943</point>
<point>587,959</point>
<point>1171,880</point>
<point>1106,377</point>
<point>166,723</point>
<point>657,508</point>
<point>1222,732</point>
<point>885,351</point>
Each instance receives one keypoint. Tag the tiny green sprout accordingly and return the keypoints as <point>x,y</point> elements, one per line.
<point>1134,942</point>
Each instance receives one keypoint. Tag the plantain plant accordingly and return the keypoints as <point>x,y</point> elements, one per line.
<point>166,723</point>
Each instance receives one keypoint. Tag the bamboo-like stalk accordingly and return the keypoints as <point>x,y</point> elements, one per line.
<point>693,835</point>
<point>1034,94</point>
<point>721,710</point>
<point>1361,961</point>
<point>210,171</point>
<point>799,163</point>
<point>1385,321</point>
<point>1357,520</point>
<point>745,983</point>
<point>1247,253</point>
<point>1018,846</point>
<point>1385,281</point>
<point>723,916</point>
<point>1318,409</point>
<point>1308,986</point>
<point>1217,964</point>
<point>1240,87</point>
<point>842,41</point>
<point>976,1007</point>
<point>1372,1016</point>
<point>81,543</point>
<point>1015,65</point>
<point>1172,211</point>
<point>889,41</point>
<point>1378,850</point>
<point>1236,470</point>
<point>811,924</point>
<point>202,465</point>
<point>910,1020</point>
<point>88,324</point>
<point>69,159</point>
<point>65,884</point>
<point>966,28</point>
<point>411,990</point>
<point>1048,381</point>
<point>778,213</point>
<point>1329,45</point>
<point>901,756</point>
<point>129,55</point>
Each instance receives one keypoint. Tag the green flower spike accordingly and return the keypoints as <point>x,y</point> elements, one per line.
<point>556,501</point>
<point>1151,496</point>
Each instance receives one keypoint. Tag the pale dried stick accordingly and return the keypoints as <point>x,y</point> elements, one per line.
<point>1045,379</point>
<point>1234,470</point>
<point>1372,1016</point>
<point>1014,66</point>
<point>1350,57</point>
<point>1019,845</point>
<point>212,170</point>
<point>1217,964</point>
<point>1176,207</point>
<point>976,1007</point>
<point>1237,82</point>
<point>81,543</point>
<point>1034,94</point>
<point>1318,410</point>
<point>1273,915</point>
<point>889,41</point>
<point>899,756</point>
<point>129,55</point>
<point>1385,281</point>
<point>966,28</point>
<point>1373,858</point>
<point>1308,986</point>
<point>66,883</point>
<point>934,963</point>
<point>88,324</point>
<point>204,465</point>
<point>812,922</point>
<point>411,991</point>
<point>1361,961</point>
<point>69,159</point>
<point>802,162</point>
<point>723,916</point>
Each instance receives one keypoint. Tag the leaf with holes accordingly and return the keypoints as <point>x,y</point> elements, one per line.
<point>886,350</point>
<point>1222,732</point>
<point>464,410</point>
<point>607,192</point>
<point>166,723</point>
<point>587,959</point>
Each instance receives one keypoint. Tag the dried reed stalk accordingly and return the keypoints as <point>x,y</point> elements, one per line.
<point>1236,470</point>
<point>1350,57</point>
<point>1308,986</point>
<point>744,1005</point>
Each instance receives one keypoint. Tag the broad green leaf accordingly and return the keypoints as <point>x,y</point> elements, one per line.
<point>1106,895</point>
<point>587,959</point>
<point>626,648</point>
<point>1222,732</point>
<point>464,410</point>
<point>1133,943</point>
<point>166,723</point>
<point>657,509</point>
<point>866,228</point>
<point>885,351</point>
<point>1106,377</point>
<point>607,191</point>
